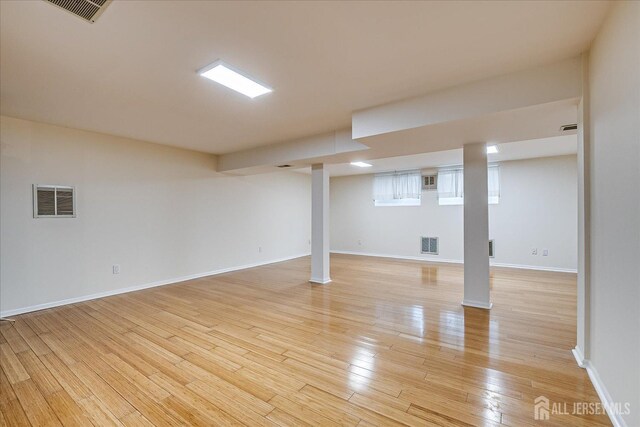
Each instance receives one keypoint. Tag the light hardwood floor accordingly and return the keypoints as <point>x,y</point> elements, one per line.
<point>386,343</point>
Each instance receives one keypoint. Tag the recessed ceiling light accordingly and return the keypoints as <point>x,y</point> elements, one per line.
<point>492,149</point>
<point>361,164</point>
<point>234,79</point>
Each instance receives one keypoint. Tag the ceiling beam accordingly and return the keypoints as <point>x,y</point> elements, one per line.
<point>290,152</point>
<point>540,85</point>
<point>527,104</point>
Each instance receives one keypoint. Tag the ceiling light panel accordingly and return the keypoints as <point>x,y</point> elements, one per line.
<point>361,164</point>
<point>235,79</point>
<point>492,149</point>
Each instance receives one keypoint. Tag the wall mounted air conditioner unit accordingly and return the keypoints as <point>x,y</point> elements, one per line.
<point>429,182</point>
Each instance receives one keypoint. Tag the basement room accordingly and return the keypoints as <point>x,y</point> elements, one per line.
<point>319,213</point>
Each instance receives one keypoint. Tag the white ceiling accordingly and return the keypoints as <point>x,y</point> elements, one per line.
<point>533,148</point>
<point>132,73</point>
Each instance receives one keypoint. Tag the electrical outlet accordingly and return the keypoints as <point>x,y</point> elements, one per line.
<point>534,251</point>
<point>116,268</point>
<point>545,252</point>
<point>259,248</point>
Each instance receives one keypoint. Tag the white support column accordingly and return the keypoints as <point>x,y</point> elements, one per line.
<point>319,224</point>
<point>476,227</point>
<point>582,350</point>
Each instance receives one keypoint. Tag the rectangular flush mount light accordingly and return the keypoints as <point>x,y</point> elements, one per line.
<point>234,79</point>
<point>492,149</point>
<point>361,164</point>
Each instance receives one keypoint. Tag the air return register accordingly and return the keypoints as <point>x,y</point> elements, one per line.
<point>89,10</point>
<point>429,245</point>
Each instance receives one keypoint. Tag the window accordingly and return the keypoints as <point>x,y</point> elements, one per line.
<point>493,178</point>
<point>397,188</point>
<point>53,201</point>
<point>451,186</point>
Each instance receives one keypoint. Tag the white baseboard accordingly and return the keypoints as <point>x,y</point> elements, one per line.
<point>412,258</point>
<point>534,267</point>
<point>577,353</point>
<point>457,261</point>
<point>320,281</point>
<point>74,300</point>
<point>603,393</point>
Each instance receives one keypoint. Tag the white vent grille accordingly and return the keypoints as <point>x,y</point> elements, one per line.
<point>492,248</point>
<point>429,245</point>
<point>53,201</point>
<point>569,127</point>
<point>89,10</point>
<point>430,182</point>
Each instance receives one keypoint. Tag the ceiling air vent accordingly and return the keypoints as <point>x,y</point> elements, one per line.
<point>569,127</point>
<point>284,166</point>
<point>89,10</point>
<point>429,245</point>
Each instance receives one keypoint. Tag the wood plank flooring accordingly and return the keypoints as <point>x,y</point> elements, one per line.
<point>386,343</point>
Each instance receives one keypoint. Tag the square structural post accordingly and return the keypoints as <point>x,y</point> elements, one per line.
<point>320,224</point>
<point>476,227</point>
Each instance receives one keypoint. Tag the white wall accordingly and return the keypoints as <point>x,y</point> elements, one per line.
<point>537,209</point>
<point>614,88</point>
<point>161,213</point>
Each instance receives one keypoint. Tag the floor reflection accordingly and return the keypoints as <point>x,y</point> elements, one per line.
<point>478,329</point>
<point>362,369</point>
<point>430,275</point>
<point>481,338</point>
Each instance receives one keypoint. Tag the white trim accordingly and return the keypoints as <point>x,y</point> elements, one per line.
<point>74,300</point>
<point>456,261</point>
<point>397,202</point>
<point>477,304</point>
<point>320,281</point>
<point>534,267</point>
<point>412,258</point>
<point>579,356</point>
<point>603,394</point>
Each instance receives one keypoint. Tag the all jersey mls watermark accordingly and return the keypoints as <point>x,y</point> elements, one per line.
<point>543,408</point>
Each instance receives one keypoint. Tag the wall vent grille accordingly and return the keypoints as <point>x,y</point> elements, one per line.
<point>569,127</point>
<point>429,245</point>
<point>89,10</point>
<point>54,201</point>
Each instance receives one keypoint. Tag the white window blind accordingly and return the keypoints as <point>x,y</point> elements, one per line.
<point>397,188</point>
<point>451,186</point>
<point>493,178</point>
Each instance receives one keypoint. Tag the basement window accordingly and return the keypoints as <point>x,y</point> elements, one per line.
<point>402,188</point>
<point>451,186</point>
<point>54,201</point>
